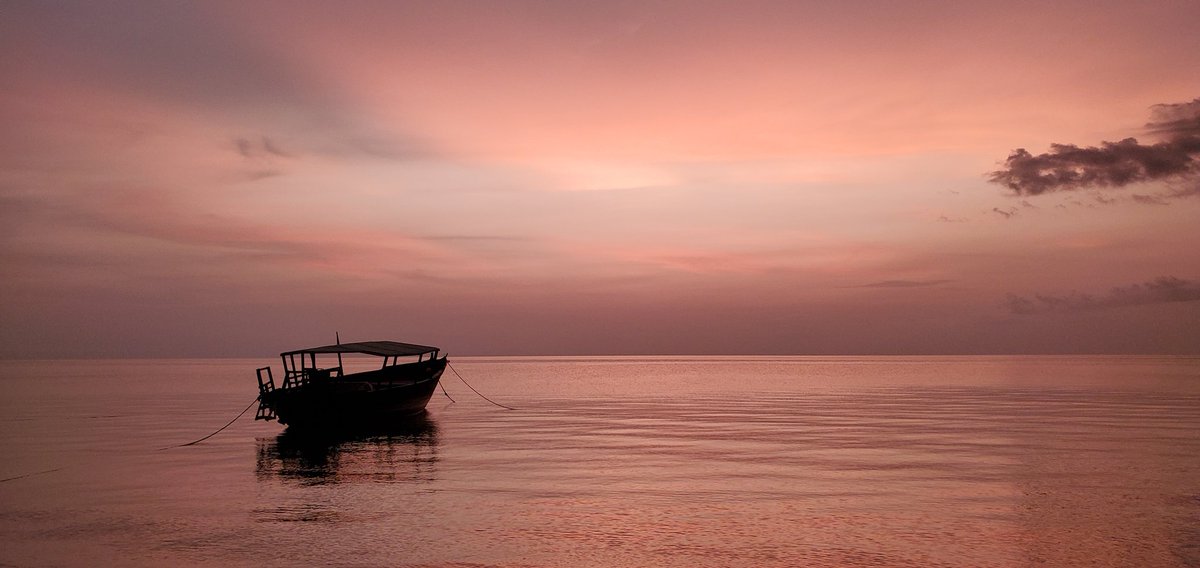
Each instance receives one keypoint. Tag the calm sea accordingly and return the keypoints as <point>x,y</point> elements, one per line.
<point>630,461</point>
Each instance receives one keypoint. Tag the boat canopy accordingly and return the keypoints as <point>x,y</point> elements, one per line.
<point>378,348</point>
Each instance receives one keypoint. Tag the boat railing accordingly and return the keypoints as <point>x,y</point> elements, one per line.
<point>302,377</point>
<point>293,379</point>
<point>265,387</point>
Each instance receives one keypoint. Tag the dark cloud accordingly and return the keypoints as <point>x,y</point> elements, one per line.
<point>1161,290</point>
<point>245,147</point>
<point>263,147</point>
<point>1176,120</point>
<point>1113,164</point>
<point>348,145</point>
<point>270,147</point>
<point>1006,213</point>
<point>1149,199</point>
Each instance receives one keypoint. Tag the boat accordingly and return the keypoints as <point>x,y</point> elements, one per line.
<point>313,395</point>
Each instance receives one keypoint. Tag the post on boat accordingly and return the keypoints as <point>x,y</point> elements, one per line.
<point>338,338</point>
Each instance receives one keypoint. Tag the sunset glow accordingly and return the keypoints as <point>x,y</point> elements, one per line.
<point>595,178</point>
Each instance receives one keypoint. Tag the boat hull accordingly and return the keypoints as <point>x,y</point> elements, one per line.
<point>375,397</point>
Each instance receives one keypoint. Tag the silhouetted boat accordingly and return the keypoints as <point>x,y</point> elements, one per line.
<point>315,396</point>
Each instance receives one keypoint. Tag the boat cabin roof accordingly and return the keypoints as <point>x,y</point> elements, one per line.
<point>378,348</point>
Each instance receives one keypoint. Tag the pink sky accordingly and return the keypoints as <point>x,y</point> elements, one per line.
<point>236,178</point>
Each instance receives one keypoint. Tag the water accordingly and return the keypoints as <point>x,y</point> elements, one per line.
<point>949,461</point>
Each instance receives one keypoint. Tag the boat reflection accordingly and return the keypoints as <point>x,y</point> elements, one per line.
<point>398,452</point>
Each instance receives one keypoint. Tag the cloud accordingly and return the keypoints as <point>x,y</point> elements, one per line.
<point>264,147</point>
<point>261,174</point>
<point>1176,120</point>
<point>172,230</point>
<point>338,141</point>
<point>1149,199</point>
<point>1006,213</point>
<point>1114,164</point>
<point>476,238</point>
<point>171,51</point>
<point>138,69</point>
<point>1163,289</point>
<point>903,284</point>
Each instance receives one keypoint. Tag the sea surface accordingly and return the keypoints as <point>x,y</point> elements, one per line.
<point>622,461</point>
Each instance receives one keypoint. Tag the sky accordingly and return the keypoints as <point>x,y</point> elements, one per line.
<point>574,177</point>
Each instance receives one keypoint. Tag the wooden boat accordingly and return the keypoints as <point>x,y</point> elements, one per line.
<point>325,396</point>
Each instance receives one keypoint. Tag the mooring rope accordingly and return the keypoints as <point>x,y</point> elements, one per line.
<point>464,381</point>
<point>16,477</point>
<point>194,442</point>
<point>444,390</point>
